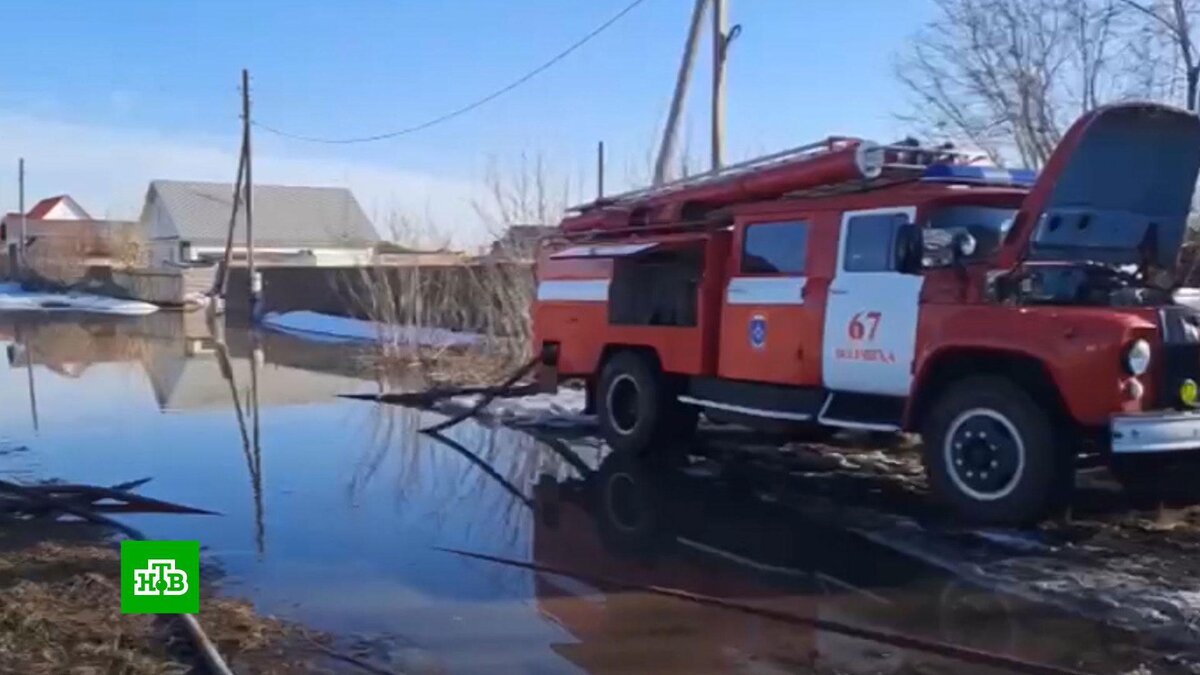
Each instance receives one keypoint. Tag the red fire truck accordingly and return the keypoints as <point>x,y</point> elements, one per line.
<point>1017,321</point>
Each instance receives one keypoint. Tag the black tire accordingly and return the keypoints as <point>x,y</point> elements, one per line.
<point>1013,477</point>
<point>637,407</point>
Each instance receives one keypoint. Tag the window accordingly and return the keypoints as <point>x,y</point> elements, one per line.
<point>989,225</point>
<point>870,242</point>
<point>657,288</point>
<point>774,248</point>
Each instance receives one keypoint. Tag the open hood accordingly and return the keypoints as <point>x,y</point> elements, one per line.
<point>1117,189</point>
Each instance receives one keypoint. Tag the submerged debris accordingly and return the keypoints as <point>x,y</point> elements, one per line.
<point>50,498</point>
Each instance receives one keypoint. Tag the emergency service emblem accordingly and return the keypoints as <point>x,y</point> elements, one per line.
<point>758,331</point>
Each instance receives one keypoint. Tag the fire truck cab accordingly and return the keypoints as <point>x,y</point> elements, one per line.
<point>1016,321</point>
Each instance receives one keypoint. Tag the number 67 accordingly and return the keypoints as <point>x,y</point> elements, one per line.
<point>864,324</point>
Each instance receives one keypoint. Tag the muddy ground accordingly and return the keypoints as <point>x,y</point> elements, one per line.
<point>1131,562</point>
<point>60,613</point>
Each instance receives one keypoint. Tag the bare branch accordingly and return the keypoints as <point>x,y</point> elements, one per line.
<point>1010,75</point>
<point>1150,13</point>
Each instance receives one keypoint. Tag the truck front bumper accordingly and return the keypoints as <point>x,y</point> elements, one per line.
<point>1155,432</point>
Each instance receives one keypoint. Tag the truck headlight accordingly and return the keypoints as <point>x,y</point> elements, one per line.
<point>1137,357</point>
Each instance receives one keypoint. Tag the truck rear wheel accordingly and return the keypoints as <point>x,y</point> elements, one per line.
<point>637,406</point>
<point>990,452</point>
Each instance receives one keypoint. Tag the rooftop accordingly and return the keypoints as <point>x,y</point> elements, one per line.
<point>283,215</point>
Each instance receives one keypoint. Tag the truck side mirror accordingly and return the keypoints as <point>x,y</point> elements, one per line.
<point>942,248</point>
<point>908,249</point>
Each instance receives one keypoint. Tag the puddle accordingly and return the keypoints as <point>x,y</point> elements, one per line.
<point>333,512</point>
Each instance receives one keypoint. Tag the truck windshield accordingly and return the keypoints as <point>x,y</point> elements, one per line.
<point>987,224</point>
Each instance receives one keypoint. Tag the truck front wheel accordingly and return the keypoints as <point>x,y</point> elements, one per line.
<point>990,452</point>
<point>637,406</point>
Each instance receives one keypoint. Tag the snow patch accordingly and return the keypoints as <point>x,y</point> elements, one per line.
<point>341,329</point>
<point>14,299</point>
<point>561,410</point>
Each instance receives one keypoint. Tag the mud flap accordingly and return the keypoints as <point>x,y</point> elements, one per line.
<point>546,377</point>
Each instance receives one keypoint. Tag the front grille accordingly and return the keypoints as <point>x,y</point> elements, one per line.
<point>1180,325</point>
<point>1181,352</point>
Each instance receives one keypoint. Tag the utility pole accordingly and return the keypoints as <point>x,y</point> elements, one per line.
<point>600,170</point>
<point>720,41</point>
<point>667,148</point>
<point>221,283</point>
<point>20,261</point>
<point>255,286</point>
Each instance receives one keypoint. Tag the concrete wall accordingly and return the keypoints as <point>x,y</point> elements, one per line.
<point>159,287</point>
<point>464,297</point>
<point>168,287</point>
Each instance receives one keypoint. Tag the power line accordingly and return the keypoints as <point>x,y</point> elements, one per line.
<point>469,107</point>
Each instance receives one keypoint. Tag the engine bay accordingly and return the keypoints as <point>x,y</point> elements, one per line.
<point>1082,284</point>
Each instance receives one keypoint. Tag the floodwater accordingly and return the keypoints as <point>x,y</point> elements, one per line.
<point>335,512</point>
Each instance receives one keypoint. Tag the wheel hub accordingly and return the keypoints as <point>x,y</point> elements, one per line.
<point>984,454</point>
<point>623,403</point>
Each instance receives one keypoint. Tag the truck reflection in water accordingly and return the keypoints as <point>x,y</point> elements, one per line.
<point>689,529</point>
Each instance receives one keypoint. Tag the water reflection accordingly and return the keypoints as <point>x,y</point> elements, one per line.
<point>250,438</point>
<point>334,512</point>
<point>687,530</point>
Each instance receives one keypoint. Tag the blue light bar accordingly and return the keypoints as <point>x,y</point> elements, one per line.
<point>979,175</point>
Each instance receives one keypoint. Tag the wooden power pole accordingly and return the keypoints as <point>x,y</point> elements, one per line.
<point>600,170</point>
<point>221,283</point>
<point>20,261</point>
<point>255,287</point>
<point>667,148</point>
<point>719,43</point>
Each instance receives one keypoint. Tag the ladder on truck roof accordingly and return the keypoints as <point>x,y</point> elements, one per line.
<point>875,159</point>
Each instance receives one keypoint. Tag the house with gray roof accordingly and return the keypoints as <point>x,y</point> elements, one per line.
<point>186,223</point>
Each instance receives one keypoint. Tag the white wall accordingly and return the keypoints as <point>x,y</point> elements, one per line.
<point>66,209</point>
<point>156,227</point>
<point>163,251</point>
<point>323,257</point>
<point>155,222</point>
<point>343,257</point>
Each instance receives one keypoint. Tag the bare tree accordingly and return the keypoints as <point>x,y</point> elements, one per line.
<point>525,193</point>
<point>1173,20</point>
<point>1093,25</point>
<point>127,246</point>
<point>1009,75</point>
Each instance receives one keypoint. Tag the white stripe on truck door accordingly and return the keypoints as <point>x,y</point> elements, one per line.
<point>765,291</point>
<point>573,290</point>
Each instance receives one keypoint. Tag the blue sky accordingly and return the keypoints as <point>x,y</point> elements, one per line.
<point>102,96</point>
